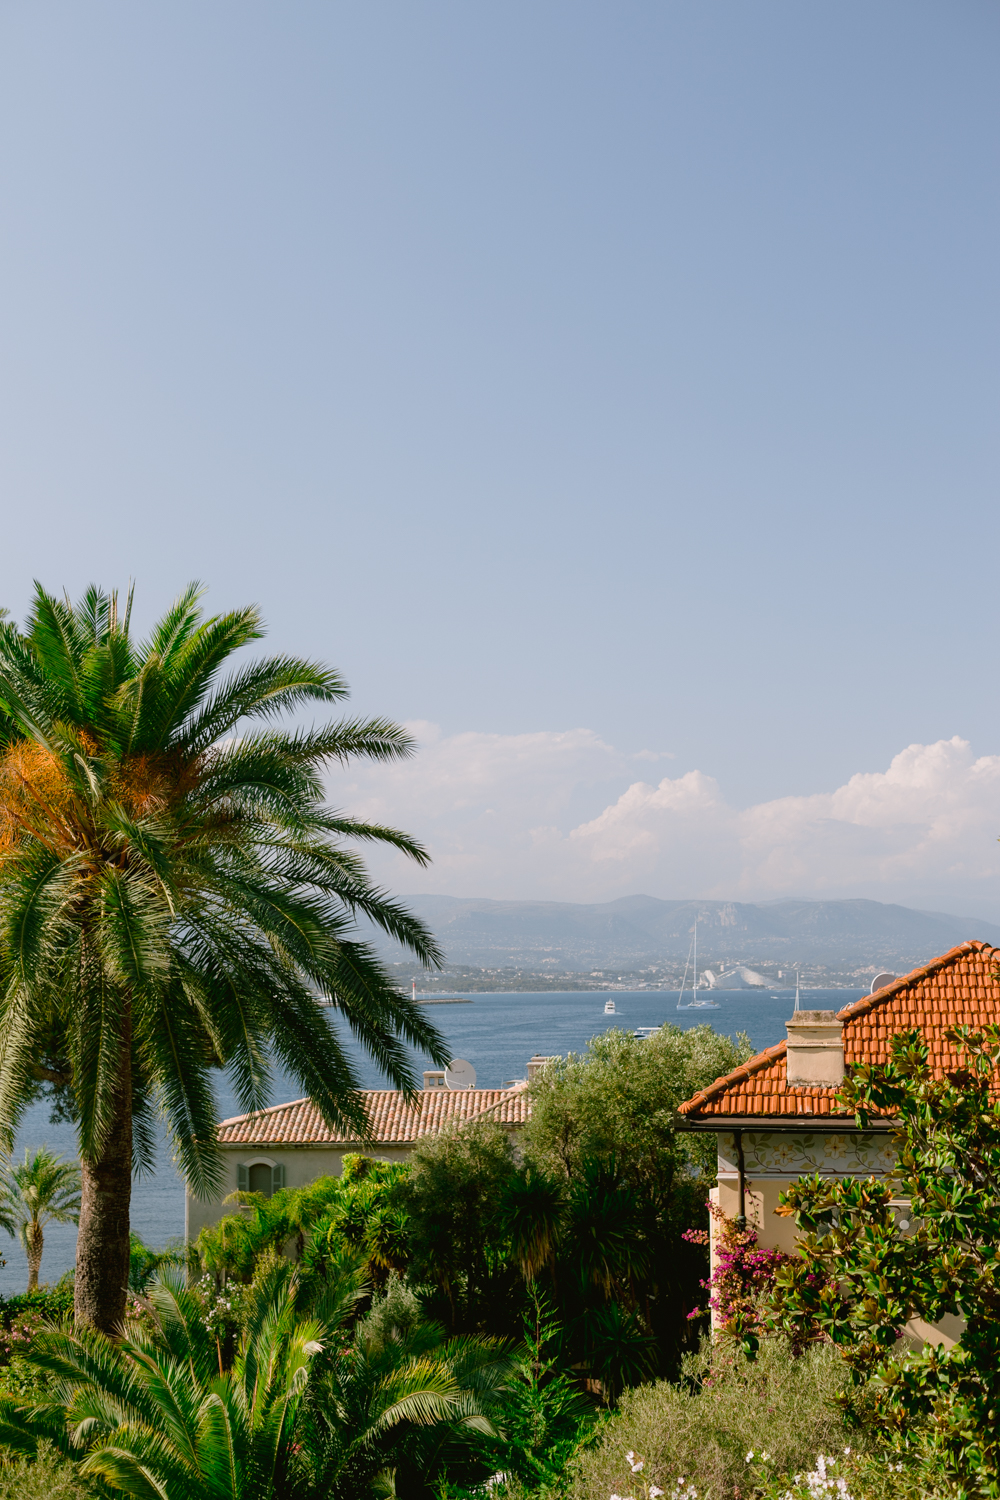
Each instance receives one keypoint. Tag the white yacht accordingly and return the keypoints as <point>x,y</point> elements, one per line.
<point>609,1008</point>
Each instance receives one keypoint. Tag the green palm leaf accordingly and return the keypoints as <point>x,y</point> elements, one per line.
<point>176,898</point>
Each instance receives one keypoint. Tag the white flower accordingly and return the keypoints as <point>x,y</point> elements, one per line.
<point>654,1493</point>
<point>750,1456</point>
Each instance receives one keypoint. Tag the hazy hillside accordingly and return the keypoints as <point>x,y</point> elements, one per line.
<point>637,929</point>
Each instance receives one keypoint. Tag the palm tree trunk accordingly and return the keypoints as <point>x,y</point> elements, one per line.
<point>34,1243</point>
<point>102,1245</point>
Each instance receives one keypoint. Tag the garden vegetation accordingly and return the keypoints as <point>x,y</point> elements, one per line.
<point>501,1315</point>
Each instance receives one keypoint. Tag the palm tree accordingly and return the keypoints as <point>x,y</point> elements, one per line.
<point>155,1415</point>
<point>175,897</point>
<point>42,1188</point>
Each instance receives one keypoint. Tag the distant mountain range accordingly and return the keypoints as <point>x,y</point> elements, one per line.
<point>641,929</point>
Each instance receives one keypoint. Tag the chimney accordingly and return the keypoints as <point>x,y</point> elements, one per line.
<point>537,1063</point>
<point>815,1049</point>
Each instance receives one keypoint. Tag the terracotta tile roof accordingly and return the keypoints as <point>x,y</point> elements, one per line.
<point>394,1121</point>
<point>955,990</point>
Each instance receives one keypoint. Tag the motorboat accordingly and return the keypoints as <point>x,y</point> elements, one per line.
<point>609,1008</point>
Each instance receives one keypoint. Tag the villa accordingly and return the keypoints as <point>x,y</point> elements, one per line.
<point>777,1117</point>
<point>290,1144</point>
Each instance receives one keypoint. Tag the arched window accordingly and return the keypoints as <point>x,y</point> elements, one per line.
<point>260,1176</point>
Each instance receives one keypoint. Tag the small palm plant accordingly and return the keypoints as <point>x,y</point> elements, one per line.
<point>402,1405</point>
<point>42,1189</point>
<point>297,1414</point>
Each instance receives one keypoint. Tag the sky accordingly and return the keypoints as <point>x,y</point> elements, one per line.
<point>608,391</point>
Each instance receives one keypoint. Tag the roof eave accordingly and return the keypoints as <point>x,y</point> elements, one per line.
<point>816,1124</point>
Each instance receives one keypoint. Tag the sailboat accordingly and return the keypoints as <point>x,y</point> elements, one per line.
<point>694,1003</point>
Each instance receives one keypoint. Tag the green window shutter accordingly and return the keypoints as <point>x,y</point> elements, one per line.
<point>242,1178</point>
<point>277,1177</point>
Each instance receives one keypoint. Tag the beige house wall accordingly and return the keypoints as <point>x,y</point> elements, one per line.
<point>773,1160</point>
<point>302,1164</point>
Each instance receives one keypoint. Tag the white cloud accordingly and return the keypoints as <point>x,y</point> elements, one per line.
<point>560,816</point>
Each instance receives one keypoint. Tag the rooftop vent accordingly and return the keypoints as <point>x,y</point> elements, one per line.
<point>815,1049</point>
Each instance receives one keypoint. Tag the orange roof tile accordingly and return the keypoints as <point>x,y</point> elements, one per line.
<point>394,1119</point>
<point>958,989</point>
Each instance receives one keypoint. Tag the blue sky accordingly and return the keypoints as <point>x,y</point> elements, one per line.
<point>627,370</point>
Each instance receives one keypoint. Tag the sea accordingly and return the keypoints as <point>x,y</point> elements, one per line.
<point>497,1033</point>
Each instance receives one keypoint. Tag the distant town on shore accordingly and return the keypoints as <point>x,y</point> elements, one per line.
<point>641,942</point>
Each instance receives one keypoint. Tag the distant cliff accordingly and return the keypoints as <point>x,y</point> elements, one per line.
<point>637,929</point>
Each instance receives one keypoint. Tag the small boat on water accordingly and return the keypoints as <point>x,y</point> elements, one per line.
<point>694,1003</point>
<point>609,1008</point>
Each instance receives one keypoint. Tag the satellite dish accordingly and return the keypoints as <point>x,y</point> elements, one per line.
<point>880,981</point>
<point>460,1074</point>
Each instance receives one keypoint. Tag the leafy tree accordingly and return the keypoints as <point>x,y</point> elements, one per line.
<point>175,897</point>
<point>867,1265</point>
<point>454,1197</point>
<point>619,1265</point>
<point>41,1189</point>
<point>619,1100</point>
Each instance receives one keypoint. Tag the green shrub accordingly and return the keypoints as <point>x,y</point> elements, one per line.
<point>21,1316</point>
<point>22,1379</point>
<point>725,1407</point>
<point>47,1477</point>
<point>51,1302</point>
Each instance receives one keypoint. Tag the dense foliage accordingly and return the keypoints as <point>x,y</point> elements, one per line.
<point>924,1244</point>
<point>433,1329</point>
<point>586,1212</point>
<point>175,897</point>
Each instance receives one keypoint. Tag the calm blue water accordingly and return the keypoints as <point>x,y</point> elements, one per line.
<point>496,1033</point>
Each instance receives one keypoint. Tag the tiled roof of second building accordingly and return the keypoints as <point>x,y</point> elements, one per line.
<point>960,988</point>
<point>394,1119</point>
